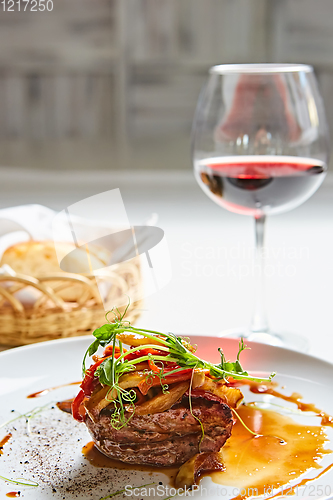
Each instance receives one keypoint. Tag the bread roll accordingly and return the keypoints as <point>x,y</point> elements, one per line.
<point>39,258</point>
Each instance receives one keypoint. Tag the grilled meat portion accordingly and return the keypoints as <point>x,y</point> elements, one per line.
<point>167,438</point>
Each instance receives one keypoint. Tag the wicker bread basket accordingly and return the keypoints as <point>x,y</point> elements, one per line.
<point>52,316</point>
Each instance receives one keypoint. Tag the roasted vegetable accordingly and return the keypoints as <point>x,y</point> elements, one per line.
<point>201,463</point>
<point>105,395</point>
<point>232,396</point>
<point>154,359</point>
<point>163,401</point>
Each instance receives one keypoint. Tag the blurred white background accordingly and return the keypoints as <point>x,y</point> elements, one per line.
<point>112,84</point>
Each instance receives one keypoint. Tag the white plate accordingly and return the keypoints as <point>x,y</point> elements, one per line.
<point>54,454</point>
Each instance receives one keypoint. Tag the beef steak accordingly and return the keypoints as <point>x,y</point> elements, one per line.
<point>167,438</point>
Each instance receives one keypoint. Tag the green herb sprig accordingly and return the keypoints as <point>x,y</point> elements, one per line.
<point>28,416</point>
<point>175,346</point>
<point>123,490</point>
<point>21,481</point>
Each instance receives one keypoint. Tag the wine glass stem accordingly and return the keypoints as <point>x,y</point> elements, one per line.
<point>259,320</point>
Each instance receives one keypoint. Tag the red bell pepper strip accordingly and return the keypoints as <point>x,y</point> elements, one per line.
<point>78,410</point>
<point>153,367</point>
<point>90,382</point>
<point>109,350</point>
<point>144,352</point>
<point>154,381</point>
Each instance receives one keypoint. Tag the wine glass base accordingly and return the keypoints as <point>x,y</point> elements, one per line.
<point>283,339</point>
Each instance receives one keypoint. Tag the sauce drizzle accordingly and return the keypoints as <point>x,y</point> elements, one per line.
<point>3,442</point>
<point>43,392</point>
<point>295,398</point>
<point>13,494</point>
<point>65,405</point>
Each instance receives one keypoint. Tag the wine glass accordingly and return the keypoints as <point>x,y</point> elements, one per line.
<point>260,147</point>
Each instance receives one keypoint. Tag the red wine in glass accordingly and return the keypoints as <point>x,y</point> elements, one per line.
<point>259,184</point>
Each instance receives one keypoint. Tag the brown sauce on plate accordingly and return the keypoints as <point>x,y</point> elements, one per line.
<point>13,494</point>
<point>98,459</point>
<point>295,398</point>
<point>66,405</point>
<point>43,392</point>
<point>285,450</point>
<point>3,442</point>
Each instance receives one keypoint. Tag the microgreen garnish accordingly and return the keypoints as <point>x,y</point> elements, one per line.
<point>28,416</point>
<point>169,349</point>
<point>194,416</point>
<point>160,374</point>
<point>255,434</point>
<point>21,481</point>
<point>117,417</point>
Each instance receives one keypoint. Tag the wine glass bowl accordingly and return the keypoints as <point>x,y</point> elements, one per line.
<point>259,184</point>
<point>260,147</point>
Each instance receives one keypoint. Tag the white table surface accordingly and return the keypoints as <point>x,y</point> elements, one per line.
<point>300,246</point>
